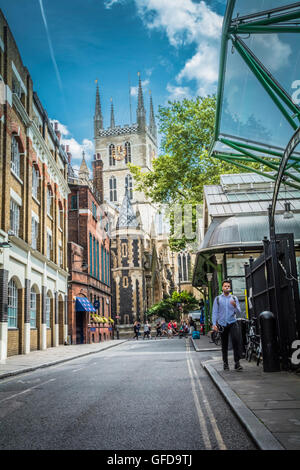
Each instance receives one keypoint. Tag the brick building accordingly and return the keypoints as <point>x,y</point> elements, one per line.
<point>89,258</point>
<point>33,207</point>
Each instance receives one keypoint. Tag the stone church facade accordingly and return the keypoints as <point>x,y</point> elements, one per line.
<point>142,267</point>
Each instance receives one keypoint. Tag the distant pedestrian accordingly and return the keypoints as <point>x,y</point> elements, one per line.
<point>147,330</point>
<point>170,330</point>
<point>224,314</point>
<point>164,329</point>
<point>158,330</point>
<point>136,329</point>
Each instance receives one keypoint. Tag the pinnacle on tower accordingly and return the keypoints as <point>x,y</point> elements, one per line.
<point>112,115</point>
<point>84,172</point>
<point>140,112</point>
<point>152,124</point>
<point>98,118</point>
<point>127,217</point>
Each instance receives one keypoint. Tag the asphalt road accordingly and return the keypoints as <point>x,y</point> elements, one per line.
<point>150,394</point>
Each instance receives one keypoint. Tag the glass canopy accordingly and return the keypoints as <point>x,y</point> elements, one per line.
<point>258,102</point>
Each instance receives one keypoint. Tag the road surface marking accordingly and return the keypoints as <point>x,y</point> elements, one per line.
<point>201,417</point>
<point>212,419</point>
<point>26,391</point>
<point>76,370</point>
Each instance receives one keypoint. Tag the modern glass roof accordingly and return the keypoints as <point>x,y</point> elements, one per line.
<point>258,98</point>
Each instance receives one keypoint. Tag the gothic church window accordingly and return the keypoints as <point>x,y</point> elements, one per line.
<point>113,189</point>
<point>112,151</point>
<point>124,250</point>
<point>128,152</point>
<point>128,185</point>
<point>125,281</point>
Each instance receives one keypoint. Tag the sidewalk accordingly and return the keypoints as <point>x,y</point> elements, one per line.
<point>268,404</point>
<point>204,344</point>
<point>19,364</point>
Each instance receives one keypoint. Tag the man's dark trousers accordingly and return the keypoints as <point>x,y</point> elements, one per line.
<point>231,328</point>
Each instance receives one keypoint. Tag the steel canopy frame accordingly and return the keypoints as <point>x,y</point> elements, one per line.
<point>285,19</point>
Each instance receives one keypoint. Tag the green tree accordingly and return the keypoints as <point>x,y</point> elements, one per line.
<point>168,308</point>
<point>183,168</point>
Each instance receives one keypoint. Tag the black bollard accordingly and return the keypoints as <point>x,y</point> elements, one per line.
<point>118,334</point>
<point>271,362</point>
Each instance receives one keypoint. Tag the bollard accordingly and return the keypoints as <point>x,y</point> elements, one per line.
<point>118,334</point>
<point>271,362</point>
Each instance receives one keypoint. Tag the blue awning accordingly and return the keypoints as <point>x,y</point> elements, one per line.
<point>83,305</point>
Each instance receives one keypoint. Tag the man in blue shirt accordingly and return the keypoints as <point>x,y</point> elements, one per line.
<point>224,315</point>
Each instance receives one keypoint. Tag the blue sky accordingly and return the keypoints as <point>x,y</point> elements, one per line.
<point>67,44</point>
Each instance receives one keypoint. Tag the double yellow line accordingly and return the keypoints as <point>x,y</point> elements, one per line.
<point>200,398</point>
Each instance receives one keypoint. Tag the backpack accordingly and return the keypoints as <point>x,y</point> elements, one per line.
<point>196,335</point>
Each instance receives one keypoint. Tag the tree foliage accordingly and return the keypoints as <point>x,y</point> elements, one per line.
<point>183,167</point>
<point>168,308</point>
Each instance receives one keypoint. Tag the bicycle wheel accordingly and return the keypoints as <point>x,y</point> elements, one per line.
<point>216,338</point>
<point>249,352</point>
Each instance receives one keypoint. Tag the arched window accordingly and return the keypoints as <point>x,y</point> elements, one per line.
<point>32,308</point>
<point>12,311</point>
<point>48,310</point>
<point>60,215</point>
<point>111,150</point>
<point>128,152</point>
<point>113,189</point>
<point>128,185</point>
<point>35,182</point>
<point>15,156</point>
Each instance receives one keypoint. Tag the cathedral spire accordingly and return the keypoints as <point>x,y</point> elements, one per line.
<point>140,112</point>
<point>112,115</point>
<point>152,124</point>
<point>84,172</point>
<point>98,118</point>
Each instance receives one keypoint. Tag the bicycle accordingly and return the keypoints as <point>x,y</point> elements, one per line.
<point>254,345</point>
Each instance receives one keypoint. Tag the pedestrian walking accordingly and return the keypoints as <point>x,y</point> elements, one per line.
<point>136,329</point>
<point>170,330</point>
<point>158,330</point>
<point>164,329</point>
<point>224,312</point>
<point>147,330</point>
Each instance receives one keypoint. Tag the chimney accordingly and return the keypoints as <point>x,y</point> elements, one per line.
<point>68,154</point>
<point>57,132</point>
<point>98,176</point>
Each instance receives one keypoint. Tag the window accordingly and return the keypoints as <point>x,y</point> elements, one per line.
<point>128,185</point>
<point>94,257</point>
<point>128,152</point>
<point>125,281</point>
<point>91,254</point>
<point>60,256</point>
<point>49,201</point>
<point>34,232</point>
<point>112,152</point>
<point>35,182</point>
<point>32,308</point>
<point>48,310</point>
<point>15,156</point>
<point>113,189</point>
<point>14,217</point>
<point>60,216</point>
<point>124,250</point>
<point>102,264</point>
<point>74,202</point>
<point>49,245</point>
<point>12,311</point>
<point>97,260</point>
<point>94,210</point>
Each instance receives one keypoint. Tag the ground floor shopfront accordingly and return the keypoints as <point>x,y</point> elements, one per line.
<point>33,296</point>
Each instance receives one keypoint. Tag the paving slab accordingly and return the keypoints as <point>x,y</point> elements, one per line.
<point>268,404</point>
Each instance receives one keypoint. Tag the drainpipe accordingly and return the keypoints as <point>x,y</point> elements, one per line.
<point>209,279</point>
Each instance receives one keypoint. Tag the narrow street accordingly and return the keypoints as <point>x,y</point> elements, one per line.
<point>150,394</point>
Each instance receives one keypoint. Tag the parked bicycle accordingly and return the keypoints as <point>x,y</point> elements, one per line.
<point>253,346</point>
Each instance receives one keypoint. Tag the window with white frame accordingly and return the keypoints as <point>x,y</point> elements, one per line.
<point>32,308</point>
<point>12,311</point>
<point>60,216</point>
<point>15,156</point>
<point>49,245</point>
<point>48,311</point>
<point>34,232</point>
<point>49,201</point>
<point>14,217</point>
<point>128,185</point>
<point>35,182</point>
<point>113,189</point>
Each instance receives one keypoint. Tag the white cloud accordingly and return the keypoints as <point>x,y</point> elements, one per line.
<point>75,148</point>
<point>280,51</point>
<point>202,67</point>
<point>177,93</point>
